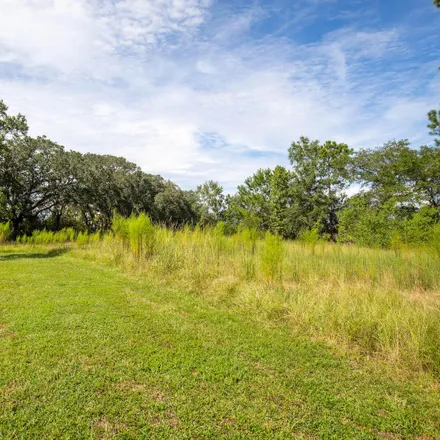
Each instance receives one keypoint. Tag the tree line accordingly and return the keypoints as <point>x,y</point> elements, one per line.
<point>42,185</point>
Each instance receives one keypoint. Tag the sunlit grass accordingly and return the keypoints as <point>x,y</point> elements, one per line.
<point>89,352</point>
<point>383,302</point>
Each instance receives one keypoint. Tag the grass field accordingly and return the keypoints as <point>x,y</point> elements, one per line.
<point>383,303</point>
<point>87,351</point>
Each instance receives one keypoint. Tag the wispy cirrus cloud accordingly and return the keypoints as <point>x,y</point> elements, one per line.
<point>88,36</point>
<point>199,90</point>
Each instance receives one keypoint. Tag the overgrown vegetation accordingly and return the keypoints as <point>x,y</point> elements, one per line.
<point>292,308</point>
<point>385,303</point>
<point>5,232</point>
<point>336,281</point>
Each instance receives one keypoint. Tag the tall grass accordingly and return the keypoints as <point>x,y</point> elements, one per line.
<point>85,238</point>
<point>5,232</point>
<point>384,303</point>
<point>310,237</point>
<point>49,237</point>
<point>63,236</point>
<point>435,243</point>
<point>381,302</point>
<point>272,254</point>
<point>141,234</point>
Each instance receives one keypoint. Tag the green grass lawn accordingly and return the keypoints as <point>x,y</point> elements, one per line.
<point>88,352</point>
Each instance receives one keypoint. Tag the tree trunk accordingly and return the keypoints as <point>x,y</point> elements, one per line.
<point>57,220</point>
<point>15,226</point>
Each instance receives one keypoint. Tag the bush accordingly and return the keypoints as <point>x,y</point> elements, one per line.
<point>418,229</point>
<point>5,232</point>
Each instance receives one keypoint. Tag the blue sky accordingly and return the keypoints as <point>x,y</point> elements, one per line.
<point>205,89</point>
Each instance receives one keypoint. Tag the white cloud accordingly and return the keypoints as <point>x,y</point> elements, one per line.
<point>56,34</point>
<point>80,36</point>
<point>113,79</point>
<point>137,23</point>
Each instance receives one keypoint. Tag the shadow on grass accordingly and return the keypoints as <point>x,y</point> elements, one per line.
<point>30,255</point>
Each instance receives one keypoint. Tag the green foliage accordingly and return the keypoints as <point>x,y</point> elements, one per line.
<point>83,238</point>
<point>365,224</point>
<point>88,239</point>
<point>388,170</point>
<point>320,175</point>
<point>141,234</point>
<point>5,232</point>
<point>272,255</point>
<point>434,124</point>
<point>31,176</point>
<point>427,176</point>
<point>419,228</point>
<point>382,226</point>
<point>310,238</point>
<point>71,234</point>
<point>44,187</point>
<point>403,196</point>
<point>212,202</point>
<point>44,236</point>
<point>253,200</point>
<point>247,238</point>
<point>121,230</point>
<point>104,184</point>
<point>136,233</point>
<point>175,207</point>
<point>95,237</point>
<point>11,127</point>
<point>280,201</point>
<point>220,229</point>
<point>263,201</point>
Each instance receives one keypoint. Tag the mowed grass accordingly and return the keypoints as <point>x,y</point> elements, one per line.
<point>88,352</point>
